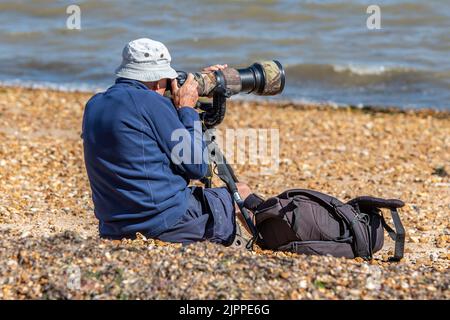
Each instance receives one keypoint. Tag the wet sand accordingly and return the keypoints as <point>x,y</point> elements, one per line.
<point>48,225</point>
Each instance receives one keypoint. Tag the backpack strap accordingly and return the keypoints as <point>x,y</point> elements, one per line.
<point>376,202</point>
<point>393,204</point>
<point>358,223</point>
<point>398,235</point>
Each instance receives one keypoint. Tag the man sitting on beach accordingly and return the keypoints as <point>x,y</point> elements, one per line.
<point>136,185</point>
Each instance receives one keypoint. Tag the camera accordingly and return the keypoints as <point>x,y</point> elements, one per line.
<point>264,78</point>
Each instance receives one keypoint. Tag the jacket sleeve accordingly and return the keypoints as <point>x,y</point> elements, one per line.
<point>179,134</point>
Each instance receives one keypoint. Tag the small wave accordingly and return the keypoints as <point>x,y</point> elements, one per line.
<point>20,36</point>
<point>355,69</point>
<point>361,70</point>
<point>65,87</point>
<point>33,9</point>
<point>289,99</point>
<point>353,74</point>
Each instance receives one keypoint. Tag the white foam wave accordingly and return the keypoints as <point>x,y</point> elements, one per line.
<point>362,70</point>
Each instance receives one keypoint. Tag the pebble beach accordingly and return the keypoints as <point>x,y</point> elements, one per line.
<point>50,249</point>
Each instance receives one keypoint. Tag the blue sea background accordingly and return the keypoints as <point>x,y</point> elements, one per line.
<point>329,53</point>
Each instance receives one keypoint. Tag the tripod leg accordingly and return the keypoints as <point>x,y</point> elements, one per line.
<point>226,174</point>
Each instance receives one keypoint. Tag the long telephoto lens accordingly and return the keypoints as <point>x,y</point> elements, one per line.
<point>264,78</point>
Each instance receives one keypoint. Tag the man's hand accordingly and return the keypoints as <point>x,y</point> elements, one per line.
<point>187,95</point>
<point>214,68</point>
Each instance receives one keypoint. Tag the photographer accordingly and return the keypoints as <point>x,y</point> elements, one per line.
<point>136,186</point>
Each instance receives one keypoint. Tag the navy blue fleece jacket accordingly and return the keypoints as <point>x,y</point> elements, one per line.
<point>127,138</point>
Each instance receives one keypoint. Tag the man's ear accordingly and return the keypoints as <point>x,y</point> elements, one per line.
<point>154,85</point>
<point>161,84</point>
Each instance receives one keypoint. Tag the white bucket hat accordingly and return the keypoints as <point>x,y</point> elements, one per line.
<point>146,60</point>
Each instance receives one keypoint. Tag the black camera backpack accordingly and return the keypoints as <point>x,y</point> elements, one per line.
<point>310,222</point>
